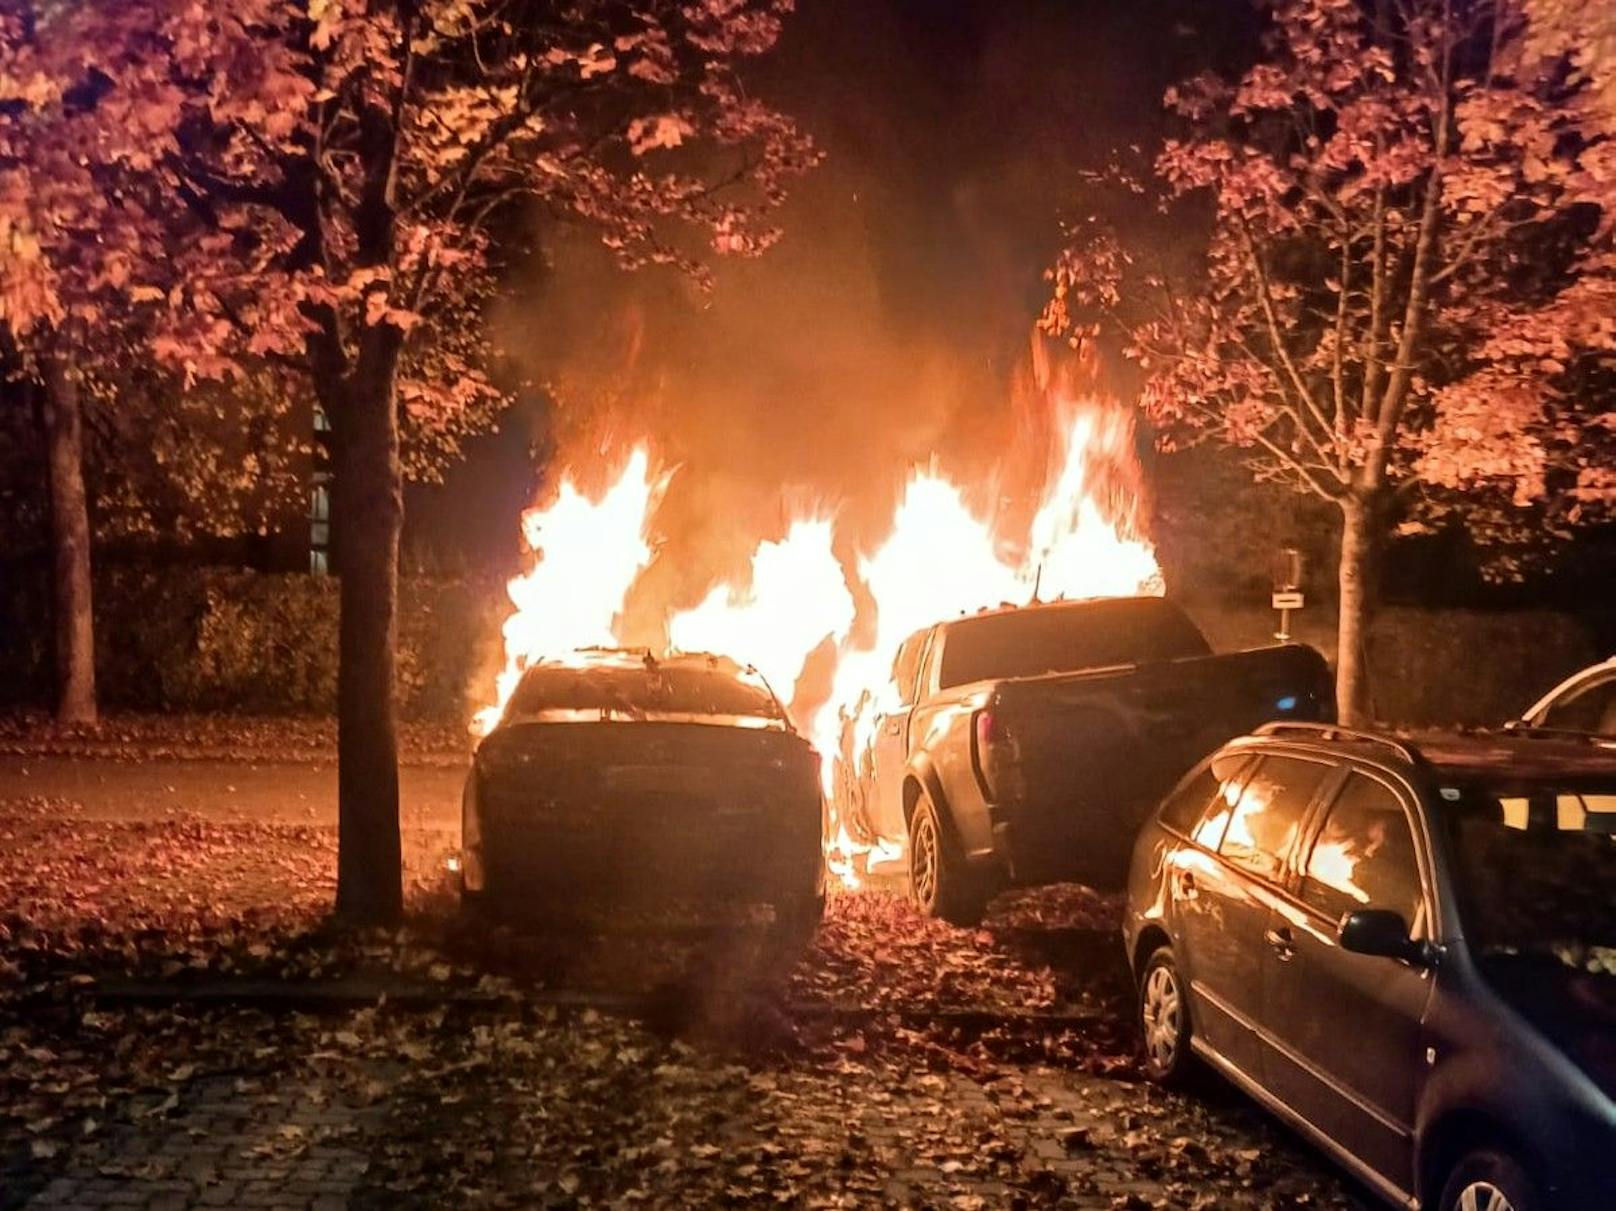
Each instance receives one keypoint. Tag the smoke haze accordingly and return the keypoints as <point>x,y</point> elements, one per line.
<point>889,327</point>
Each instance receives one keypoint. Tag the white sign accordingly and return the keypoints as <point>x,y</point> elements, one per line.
<point>1288,601</point>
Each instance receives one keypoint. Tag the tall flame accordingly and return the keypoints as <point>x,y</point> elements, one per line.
<point>587,554</point>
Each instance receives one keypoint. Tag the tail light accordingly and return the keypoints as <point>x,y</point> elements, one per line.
<point>993,753</point>
<point>988,731</point>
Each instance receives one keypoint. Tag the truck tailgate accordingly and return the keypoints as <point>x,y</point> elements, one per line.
<point>1087,755</point>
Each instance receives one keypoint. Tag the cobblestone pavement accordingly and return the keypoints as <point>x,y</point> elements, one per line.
<point>581,1110</point>
<point>628,1123</point>
<point>288,1145</point>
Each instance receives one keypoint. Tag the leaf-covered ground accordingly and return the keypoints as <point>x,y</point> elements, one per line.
<point>179,1028</point>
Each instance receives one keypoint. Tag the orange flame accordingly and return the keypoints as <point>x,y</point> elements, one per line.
<point>941,561</point>
<point>798,599</point>
<point>587,554</point>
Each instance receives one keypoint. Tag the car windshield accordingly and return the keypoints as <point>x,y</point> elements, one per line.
<point>1066,639</point>
<point>640,688</point>
<point>1537,870</point>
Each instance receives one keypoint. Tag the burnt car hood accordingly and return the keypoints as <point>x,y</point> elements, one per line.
<point>1574,1009</point>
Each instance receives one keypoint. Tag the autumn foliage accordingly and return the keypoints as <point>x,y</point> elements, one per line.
<point>334,188</point>
<point>1408,286</point>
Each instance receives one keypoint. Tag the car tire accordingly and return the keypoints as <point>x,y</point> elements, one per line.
<point>940,882</point>
<point>1489,1180</point>
<point>1164,1020</point>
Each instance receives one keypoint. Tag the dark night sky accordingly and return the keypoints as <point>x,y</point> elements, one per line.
<point>886,325</point>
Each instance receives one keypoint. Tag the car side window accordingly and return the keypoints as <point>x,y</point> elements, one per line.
<point>1208,790</point>
<point>1591,708</point>
<point>1364,856</point>
<point>906,667</point>
<point>1266,820</point>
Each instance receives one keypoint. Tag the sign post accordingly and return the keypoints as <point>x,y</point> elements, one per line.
<point>1287,579</point>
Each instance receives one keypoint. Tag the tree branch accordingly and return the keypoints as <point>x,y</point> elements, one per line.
<point>1270,314</point>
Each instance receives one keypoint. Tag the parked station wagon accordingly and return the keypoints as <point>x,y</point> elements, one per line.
<point>1404,948</point>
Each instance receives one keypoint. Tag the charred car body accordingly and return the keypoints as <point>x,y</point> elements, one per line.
<point>614,777</point>
<point>1025,746</point>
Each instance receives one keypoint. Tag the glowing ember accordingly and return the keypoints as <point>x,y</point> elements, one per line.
<point>587,555</point>
<point>940,560</point>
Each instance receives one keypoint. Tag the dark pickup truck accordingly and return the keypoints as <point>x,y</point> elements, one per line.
<point>1026,746</point>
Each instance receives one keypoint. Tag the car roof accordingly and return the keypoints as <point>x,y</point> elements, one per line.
<point>1519,753</point>
<point>629,659</point>
<point>1523,754</point>
<point>1151,601</point>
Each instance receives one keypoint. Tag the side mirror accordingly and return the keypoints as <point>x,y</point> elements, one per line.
<point>1378,931</point>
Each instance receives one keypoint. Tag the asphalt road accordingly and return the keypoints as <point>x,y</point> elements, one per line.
<point>116,789</point>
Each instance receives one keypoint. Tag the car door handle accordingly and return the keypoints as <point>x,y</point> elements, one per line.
<point>894,727</point>
<point>1282,941</point>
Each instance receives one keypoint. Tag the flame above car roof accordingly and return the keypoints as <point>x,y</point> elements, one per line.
<point>641,658</point>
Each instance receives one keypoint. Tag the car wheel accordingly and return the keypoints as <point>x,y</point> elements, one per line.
<point>1164,1019</point>
<point>1490,1181</point>
<point>940,883</point>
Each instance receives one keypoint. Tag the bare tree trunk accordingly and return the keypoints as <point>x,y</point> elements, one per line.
<point>1356,603</point>
<point>70,543</point>
<point>368,500</point>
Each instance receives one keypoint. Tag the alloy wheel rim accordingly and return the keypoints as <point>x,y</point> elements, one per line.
<point>1483,1196</point>
<point>1163,1018</point>
<point>923,860</point>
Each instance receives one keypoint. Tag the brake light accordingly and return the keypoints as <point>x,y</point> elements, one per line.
<point>994,756</point>
<point>987,729</point>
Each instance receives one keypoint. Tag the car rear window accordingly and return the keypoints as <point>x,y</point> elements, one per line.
<point>1264,824</point>
<point>1066,639</point>
<point>640,690</point>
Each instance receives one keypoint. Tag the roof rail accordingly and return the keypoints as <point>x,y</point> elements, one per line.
<point>1334,731</point>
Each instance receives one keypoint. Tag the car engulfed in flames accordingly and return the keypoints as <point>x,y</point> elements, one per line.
<point>614,779</point>
<point>824,604</point>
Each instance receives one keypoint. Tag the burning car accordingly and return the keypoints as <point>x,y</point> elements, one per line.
<point>616,778</point>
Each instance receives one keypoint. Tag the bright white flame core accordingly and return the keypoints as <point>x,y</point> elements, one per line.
<point>798,598</point>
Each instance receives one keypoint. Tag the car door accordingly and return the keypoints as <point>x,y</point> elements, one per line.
<point>890,746</point>
<point>1345,1030</point>
<point>1224,900</point>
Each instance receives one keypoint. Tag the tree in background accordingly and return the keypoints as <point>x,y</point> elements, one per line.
<point>375,159</point>
<point>1408,284</point>
<point>84,282</point>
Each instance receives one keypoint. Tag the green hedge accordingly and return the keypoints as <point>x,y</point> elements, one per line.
<point>210,639</point>
<point>1432,668</point>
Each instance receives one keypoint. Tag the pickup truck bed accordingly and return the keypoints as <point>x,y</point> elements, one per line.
<point>1039,776</point>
